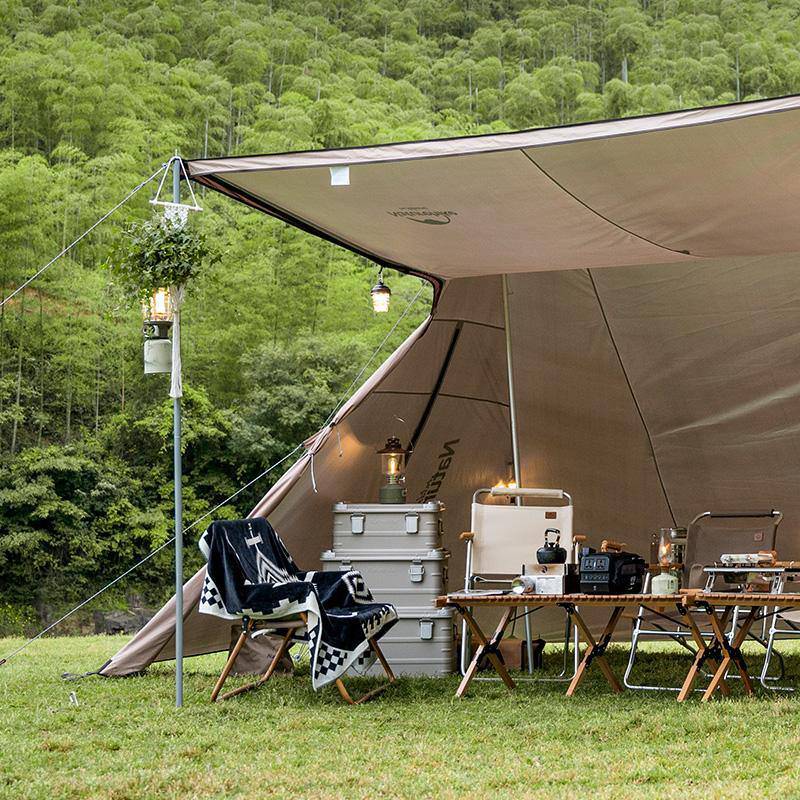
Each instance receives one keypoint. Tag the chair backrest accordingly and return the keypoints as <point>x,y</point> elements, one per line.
<point>508,536</point>
<point>711,534</point>
<point>260,552</point>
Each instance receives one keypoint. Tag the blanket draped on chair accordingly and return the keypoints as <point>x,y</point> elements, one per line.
<point>251,574</point>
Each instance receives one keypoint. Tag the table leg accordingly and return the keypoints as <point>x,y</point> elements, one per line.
<point>705,652</point>
<point>487,648</point>
<point>736,652</point>
<point>595,650</point>
<point>732,652</point>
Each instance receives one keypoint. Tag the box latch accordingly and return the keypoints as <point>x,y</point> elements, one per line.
<point>357,523</point>
<point>416,571</point>
<point>426,629</point>
<point>412,523</point>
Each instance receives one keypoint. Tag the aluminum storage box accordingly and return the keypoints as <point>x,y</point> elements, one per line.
<point>413,580</point>
<point>420,643</point>
<point>386,527</point>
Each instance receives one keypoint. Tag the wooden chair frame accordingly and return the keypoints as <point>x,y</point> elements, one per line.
<point>290,627</point>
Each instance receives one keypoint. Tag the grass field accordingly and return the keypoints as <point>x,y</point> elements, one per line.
<point>125,739</point>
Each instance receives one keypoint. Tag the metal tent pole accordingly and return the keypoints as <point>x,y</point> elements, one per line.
<point>178,479</point>
<point>512,408</point>
<point>512,405</point>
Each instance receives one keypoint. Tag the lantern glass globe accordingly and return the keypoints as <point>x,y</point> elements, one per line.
<point>381,295</point>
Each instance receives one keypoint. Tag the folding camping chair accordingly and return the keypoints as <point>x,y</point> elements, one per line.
<point>783,625</point>
<point>289,628</point>
<point>251,576</point>
<point>504,538</point>
<point>708,537</point>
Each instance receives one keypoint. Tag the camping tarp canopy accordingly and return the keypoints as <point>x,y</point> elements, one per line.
<point>651,392</point>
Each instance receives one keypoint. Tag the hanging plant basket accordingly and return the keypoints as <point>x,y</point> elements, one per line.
<point>156,254</point>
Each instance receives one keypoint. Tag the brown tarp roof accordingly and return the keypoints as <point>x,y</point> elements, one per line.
<point>650,392</point>
<point>678,187</point>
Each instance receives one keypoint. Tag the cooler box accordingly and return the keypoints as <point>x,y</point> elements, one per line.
<point>421,641</point>
<point>387,528</point>
<point>413,580</point>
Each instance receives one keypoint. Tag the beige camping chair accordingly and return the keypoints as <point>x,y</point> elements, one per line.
<point>709,536</point>
<point>504,538</point>
<point>784,624</point>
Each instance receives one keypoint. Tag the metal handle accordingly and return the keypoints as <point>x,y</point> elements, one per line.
<point>502,491</point>
<point>772,514</point>
<point>412,523</point>
<point>741,514</point>
<point>357,523</point>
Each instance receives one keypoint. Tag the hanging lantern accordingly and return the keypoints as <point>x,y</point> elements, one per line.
<point>157,313</point>
<point>381,294</point>
<point>393,466</point>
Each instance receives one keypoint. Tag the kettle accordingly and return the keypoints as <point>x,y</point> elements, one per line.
<point>551,552</point>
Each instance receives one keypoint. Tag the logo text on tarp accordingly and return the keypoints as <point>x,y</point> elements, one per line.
<point>431,490</point>
<point>424,215</point>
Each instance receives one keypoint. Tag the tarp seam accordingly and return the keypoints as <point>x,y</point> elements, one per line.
<point>633,394</point>
<point>469,321</point>
<point>599,214</point>
<point>444,394</point>
<point>437,387</point>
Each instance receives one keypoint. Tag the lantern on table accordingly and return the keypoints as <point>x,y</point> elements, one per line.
<point>393,466</point>
<point>157,313</point>
<point>666,581</point>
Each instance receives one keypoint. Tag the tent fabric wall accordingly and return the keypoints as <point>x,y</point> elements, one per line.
<point>651,392</point>
<point>648,398</point>
<point>714,358</point>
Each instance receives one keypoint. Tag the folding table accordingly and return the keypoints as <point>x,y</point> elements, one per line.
<point>719,651</point>
<point>512,603</point>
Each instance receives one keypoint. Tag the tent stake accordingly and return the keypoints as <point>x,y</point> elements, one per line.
<point>178,480</point>
<point>512,408</point>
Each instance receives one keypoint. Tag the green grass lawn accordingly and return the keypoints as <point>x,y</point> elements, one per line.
<point>125,739</point>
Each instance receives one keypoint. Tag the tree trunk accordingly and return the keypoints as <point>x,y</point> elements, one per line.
<point>42,368</point>
<point>283,70</point>
<point>97,399</point>
<point>15,424</point>
<point>68,413</point>
<point>738,79</point>
<point>2,352</point>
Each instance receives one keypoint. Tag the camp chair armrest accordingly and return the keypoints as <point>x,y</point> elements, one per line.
<point>466,536</point>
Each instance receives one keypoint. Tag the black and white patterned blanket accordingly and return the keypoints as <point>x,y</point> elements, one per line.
<point>250,573</point>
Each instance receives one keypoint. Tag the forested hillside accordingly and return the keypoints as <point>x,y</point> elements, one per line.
<point>94,96</point>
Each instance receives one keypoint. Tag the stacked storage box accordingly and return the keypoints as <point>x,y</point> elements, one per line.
<point>397,548</point>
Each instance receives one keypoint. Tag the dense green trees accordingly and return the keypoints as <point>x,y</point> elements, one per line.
<point>94,96</point>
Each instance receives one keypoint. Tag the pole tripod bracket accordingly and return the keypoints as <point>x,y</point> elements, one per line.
<point>175,211</point>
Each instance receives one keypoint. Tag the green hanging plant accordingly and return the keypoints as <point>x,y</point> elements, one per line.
<point>157,254</point>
